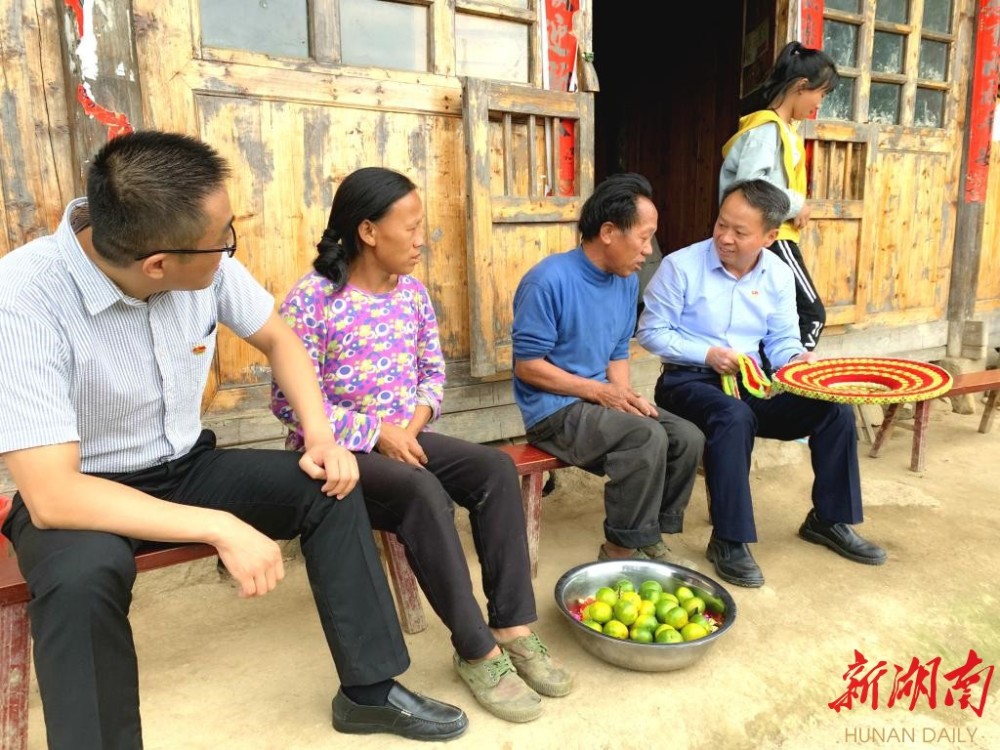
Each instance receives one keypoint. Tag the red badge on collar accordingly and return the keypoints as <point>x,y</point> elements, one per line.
<point>200,349</point>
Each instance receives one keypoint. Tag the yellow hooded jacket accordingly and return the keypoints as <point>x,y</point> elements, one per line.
<point>796,174</point>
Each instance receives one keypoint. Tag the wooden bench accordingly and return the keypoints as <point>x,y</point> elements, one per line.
<point>531,464</point>
<point>15,640</point>
<point>987,381</point>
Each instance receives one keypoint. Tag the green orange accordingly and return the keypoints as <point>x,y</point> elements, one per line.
<point>616,629</point>
<point>683,593</point>
<point>607,595</point>
<point>600,612</point>
<point>676,618</point>
<point>640,635</point>
<point>667,635</point>
<point>627,612</point>
<point>694,605</point>
<point>693,631</point>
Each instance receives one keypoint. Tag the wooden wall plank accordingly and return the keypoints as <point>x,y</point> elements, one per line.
<point>36,179</point>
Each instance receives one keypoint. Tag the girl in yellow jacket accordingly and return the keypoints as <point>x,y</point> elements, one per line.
<point>766,146</point>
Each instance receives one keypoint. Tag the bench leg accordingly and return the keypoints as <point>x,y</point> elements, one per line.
<point>866,429</point>
<point>15,676</point>
<point>920,417</point>
<point>884,430</point>
<point>531,499</point>
<point>404,583</point>
<point>989,411</point>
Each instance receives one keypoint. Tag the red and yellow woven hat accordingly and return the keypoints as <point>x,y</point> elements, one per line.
<point>858,380</point>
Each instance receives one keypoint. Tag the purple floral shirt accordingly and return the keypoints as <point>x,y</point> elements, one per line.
<point>377,356</point>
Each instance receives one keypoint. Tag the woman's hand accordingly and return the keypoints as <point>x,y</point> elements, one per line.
<point>395,442</point>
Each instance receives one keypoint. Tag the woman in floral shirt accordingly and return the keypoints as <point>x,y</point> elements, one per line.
<point>371,331</point>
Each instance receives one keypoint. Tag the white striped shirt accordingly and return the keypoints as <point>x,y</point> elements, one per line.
<point>80,361</point>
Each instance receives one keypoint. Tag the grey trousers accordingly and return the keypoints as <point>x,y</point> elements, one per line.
<point>650,465</point>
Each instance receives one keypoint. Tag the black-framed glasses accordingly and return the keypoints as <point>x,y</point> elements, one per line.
<point>229,249</point>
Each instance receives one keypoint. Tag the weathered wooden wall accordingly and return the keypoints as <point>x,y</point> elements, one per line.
<point>880,243</point>
<point>35,155</point>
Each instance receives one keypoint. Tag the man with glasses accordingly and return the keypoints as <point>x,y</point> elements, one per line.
<point>107,333</point>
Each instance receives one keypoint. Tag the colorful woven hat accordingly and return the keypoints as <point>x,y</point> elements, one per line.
<point>864,380</point>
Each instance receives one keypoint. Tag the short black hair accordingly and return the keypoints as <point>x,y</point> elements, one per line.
<point>146,192</point>
<point>614,200</point>
<point>769,199</point>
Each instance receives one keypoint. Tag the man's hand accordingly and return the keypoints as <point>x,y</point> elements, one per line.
<point>804,357</point>
<point>252,559</point>
<point>623,399</point>
<point>802,218</point>
<point>332,463</point>
<point>396,442</point>
<point>723,360</point>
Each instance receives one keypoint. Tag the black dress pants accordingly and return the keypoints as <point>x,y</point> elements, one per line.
<point>731,425</point>
<point>81,587</point>
<point>417,504</point>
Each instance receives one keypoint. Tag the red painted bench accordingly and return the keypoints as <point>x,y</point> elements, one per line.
<point>987,381</point>
<point>15,641</point>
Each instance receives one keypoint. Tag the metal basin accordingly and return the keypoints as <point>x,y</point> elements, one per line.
<point>583,581</point>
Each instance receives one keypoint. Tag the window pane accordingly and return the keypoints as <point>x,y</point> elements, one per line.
<point>839,103</point>
<point>887,53</point>
<point>512,3</point>
<point>937,15</point>
<point>848,6</point>
<point>933,61</point>
<point>491,48</point>
<point>883,103</point>
<point>389,35</point>
<point>929,109</point>
<point>840,41</point>
<point>275,27</point>
<point>894,11</point>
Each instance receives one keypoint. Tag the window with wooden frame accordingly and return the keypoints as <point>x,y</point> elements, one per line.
<point>497,39</point>
<point>895,59</point>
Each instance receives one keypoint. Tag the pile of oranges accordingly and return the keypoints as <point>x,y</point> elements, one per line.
<point>649,614</point>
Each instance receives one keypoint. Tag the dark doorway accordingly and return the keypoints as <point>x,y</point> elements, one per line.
<point>669,99</point>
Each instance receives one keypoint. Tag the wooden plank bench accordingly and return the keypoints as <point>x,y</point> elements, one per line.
<point>15,640</point>
<point>986,381</point>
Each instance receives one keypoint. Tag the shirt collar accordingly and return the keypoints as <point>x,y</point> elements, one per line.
<point>96,289</point>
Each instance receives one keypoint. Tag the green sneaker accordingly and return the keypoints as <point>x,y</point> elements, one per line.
<point>542,672</point>
<point>662,553</point>
<point>637,554</point>
<point>499,689</point>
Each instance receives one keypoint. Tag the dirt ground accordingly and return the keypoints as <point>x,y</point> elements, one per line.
<point>220,672</point>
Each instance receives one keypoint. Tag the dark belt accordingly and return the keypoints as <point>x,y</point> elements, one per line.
<point>670,367</point>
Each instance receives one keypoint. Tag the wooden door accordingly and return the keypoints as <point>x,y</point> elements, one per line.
<point>512,134</point>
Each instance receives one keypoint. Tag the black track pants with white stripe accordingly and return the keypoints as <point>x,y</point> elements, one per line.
<point>812,313</point>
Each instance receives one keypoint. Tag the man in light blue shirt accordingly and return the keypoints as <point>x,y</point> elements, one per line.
<point>707,305</point>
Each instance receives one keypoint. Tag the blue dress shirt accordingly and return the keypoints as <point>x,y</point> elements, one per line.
<point>693,303</point>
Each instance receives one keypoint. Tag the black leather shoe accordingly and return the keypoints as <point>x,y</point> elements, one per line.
<point>734,563</point>
<point>842,539</point>
<point>407,714</point>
